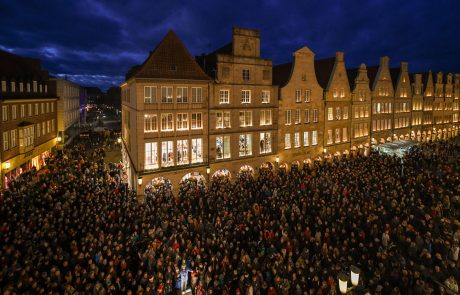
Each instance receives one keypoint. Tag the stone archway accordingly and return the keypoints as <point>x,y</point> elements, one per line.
<point>222,173</point>
<point>158,185</point>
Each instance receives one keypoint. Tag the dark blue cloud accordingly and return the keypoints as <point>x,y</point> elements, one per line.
<point>95,42</point>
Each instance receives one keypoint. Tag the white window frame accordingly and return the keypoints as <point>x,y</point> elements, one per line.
<point>150,94</point>
<point>225,153</point>
<point>265,96</point>
<point>247,150</point>
<point>197,94</point>
<point>265,142</point>
<point>150,123</point>
<point>167,122</point>
<point>298,95</point>
<point>182,121</point>
<point>224,96</point>
<point>265,117</point>
<point>287,117</point>
<point>182,94</point>
<point>196,121</point>
<point>287,141</point>
<point>306,138</point>
<point>245,118</point>
<point>166,94</point>
<point>307,94</point>
<point>151,155</point>
<point>245,96</point>
<point>314,137</point>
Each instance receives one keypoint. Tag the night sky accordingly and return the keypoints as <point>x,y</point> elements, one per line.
<point>95,42</point>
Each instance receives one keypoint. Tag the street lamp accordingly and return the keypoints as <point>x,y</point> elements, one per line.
<point>343,279</point>
<point>59,139</point>
<point>208,171</point>
<point>139,181</point>
<point>7,165</point>
<point>119,140</point>
<point>277,159</point>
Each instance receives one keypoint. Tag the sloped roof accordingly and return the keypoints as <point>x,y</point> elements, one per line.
<point>170,60</point>
<point>372,74</point>
<point>19,67</point>
<point>352,74</point>
<point>282,74</point>
<point>425,77</point>
<point>323,70</point>
<point>394,73</point>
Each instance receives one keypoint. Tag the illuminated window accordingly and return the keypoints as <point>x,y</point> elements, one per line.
<point>287,117</point>
<point>287,141</point>
<point>314,137</point>
<point>245,145</point>
<point>150,94</point>
<point>306,116</point>
<point>297,139</point>
<point>197,150</point>
<point>182,121</point>
<point>182,152</point>
<point>245,118</point>
<point>265,142</point>
<point>265,117</point>
<point>306,138</point>
<point>307,95</point>
<point>224,96</point>
<point>166,94</point>
<point>151,155</point>
<point>223,147</point>
<point>182,94</point>
<point>167,155</point>
<point>265,96</point>
<point>298,97</point>
<point>167,123</point>
<point>196,121</point>
<point>246,96</point>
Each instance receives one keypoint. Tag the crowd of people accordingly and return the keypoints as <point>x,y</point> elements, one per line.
<point>74,230</point>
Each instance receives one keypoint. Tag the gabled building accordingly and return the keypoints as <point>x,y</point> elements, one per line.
<point>301,118</point>
<point>382,103</point>
<point>448,101</point>
<point>243,106</point>
<point>428,101</point>
<point>455,105</point>
<point>417,108</point>
<point>360,110</point>
<point>402,102</point>
<point>439,106</point>
<point>165,117</point>
<point>29,122</point>
<point>332,77</point>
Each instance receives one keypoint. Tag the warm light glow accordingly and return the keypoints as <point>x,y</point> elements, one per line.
<point>277,159</point>
<point>325,150</point>
<point>7,165</point>
<point>355,271</point>
<point>119,140</point>
<point>343,282</point>
<point>139,181</point>
<point>208,170</point>
<point>59,139</point>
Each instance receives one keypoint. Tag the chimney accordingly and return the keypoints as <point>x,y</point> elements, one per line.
<point>404,66</point>
<point>384,61</point>
<point>339,56</point>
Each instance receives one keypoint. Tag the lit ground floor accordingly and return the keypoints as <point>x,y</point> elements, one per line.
<point>36,157</point>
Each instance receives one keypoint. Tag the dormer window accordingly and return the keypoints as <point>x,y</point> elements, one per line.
<point>173,68</point>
